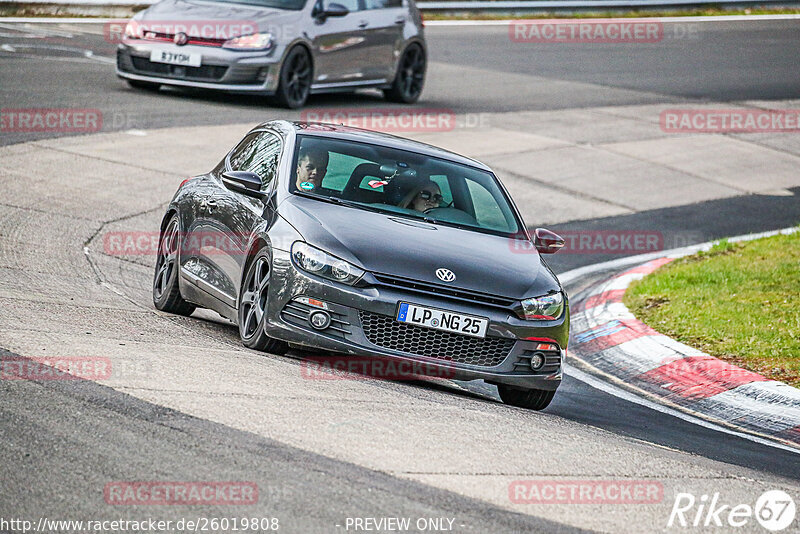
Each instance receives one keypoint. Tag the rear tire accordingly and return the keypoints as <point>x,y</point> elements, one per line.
<point>532,399</point>
<point>166,290</point>
<point>410,77</point>
<point>145,86</point>
<point>294,84</point>
<point>252,314</point>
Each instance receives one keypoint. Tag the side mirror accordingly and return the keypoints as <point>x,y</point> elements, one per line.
<point>244,182</point>
<point>547,242</point>
<point>333,10</point>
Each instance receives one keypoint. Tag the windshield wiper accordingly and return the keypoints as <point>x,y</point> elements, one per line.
<point>367,207</point>
<point>421,217</point>
<point>353,204</point>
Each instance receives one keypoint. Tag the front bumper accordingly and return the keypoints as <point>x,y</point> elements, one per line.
<point>221,69</point>
<point>364,325</point>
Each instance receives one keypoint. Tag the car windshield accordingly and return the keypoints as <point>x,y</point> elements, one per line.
<point>293,5</point>
<point>399,182</point>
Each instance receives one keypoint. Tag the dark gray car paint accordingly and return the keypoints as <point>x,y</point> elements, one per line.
<point>212,276</point>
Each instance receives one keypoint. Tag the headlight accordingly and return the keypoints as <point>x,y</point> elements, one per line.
<point>315,261</point>
<point>544,308</point>
<point>134,30</point>
<point>255,41</point>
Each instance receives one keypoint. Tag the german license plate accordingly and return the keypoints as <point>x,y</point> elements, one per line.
<point>457,323</point>
<point>176,58</point>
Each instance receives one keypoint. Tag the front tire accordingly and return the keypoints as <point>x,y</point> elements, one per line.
<point>532,399</point>
<point>410,77</point>
<point>166,291</point>
<point>253,307</point>
<point>294,85</point>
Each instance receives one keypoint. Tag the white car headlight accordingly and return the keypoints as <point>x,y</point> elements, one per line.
<point>134,30</point>
<point>315,261</point>
<point>544,308</point>
<point>254,41</point>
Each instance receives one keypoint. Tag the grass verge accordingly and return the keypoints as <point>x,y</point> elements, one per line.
<point>739,302</point>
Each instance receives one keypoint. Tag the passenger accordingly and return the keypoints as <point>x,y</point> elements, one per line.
<point>428,196</point>
<point>312,164</point>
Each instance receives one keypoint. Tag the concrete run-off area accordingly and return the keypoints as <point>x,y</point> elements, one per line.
<point>64,294</point>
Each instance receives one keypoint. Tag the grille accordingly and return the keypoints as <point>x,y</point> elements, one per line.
<point>385,332</point>
<point>552,361</point>
<point>427,288</point>
<point>170,37</point>
<point>203,72</point>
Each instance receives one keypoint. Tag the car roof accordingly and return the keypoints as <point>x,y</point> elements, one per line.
<point>349,133</point>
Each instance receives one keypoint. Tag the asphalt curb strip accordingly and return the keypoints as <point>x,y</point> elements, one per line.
<point>609,340</point>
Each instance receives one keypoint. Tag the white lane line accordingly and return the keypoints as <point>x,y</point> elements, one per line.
<point>44,32</point>
<point>559,21</point>
<point>59,20</point>
<point>82,53</point>
<point>21,36</point>
<point>493,22</point>
<point>612,390</point>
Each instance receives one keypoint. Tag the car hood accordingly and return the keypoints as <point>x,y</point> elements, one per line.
<point>176,11</point>
<point>394,245</point>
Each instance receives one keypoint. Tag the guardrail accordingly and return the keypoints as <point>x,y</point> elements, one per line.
<point>545,5</point>
<point>474,5</point>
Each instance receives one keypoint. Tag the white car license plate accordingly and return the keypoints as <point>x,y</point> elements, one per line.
<point>176,58</point>
<point>458,323</point>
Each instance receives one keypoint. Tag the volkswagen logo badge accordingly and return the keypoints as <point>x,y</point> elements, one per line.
<point>445,275</point>
<point>180,39</point>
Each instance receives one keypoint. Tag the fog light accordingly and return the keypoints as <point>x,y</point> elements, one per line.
<point>537,361</point>
<point>319,320</point>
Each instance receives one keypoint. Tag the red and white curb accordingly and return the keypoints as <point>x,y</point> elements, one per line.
<point>610,341</point>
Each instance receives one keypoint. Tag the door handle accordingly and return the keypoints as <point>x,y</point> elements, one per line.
<point>363,24</point>
<point>400,20</point>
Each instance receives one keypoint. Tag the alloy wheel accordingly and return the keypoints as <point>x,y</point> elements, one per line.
<point>254,298</point>
<point>167,259</point>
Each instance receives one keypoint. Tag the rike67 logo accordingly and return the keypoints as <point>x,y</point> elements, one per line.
<point>774,510</point>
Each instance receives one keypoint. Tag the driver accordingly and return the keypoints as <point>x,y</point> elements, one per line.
<point>312,164</point>
<point>428,196</point>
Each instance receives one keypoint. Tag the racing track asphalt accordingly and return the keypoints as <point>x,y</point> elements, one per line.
<point>66,440</point>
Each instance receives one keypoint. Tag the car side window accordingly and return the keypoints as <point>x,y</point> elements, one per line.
<point>351,5</point>
<point>382,4</point>
<point>243,151</point>
<point>258,153</point>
